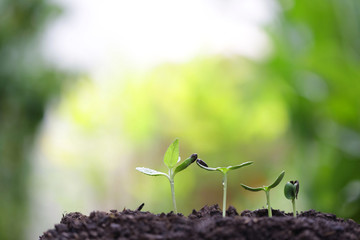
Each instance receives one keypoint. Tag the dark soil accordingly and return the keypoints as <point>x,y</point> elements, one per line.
<point>207,223</point>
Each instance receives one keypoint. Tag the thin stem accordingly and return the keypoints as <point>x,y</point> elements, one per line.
<point>294,209</point>
<point>173,195</point>
<point>224,194</point>
<point>268,203</point>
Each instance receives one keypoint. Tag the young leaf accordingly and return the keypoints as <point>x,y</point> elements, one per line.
<point>240,165</point>
<point>151,172</point>
<point>291,189</point>
<point>252,189</point>
<point>278,180</point>
<point>186,163</point>
<point>172,154</point>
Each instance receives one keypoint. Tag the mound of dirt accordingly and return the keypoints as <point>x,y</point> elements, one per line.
<point>207,223</point>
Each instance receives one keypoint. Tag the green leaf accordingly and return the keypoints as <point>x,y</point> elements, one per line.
<point>252,189</point>
<point>289,191</point>
<point>278,180</point>
<point>151,172</point>
<point>186,163</point>
<point>240,165</point>
<point>172,154</point>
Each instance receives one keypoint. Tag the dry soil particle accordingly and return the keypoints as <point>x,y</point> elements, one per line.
<point>207,223</point>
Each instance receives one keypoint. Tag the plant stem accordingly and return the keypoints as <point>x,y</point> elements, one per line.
<point>294,209</point>
<point>173,195</point>
<point>224,194</point>
<point>268,203</point>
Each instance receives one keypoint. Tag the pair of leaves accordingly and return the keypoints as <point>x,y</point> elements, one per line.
<point>171,158</point>
<point>266,188</point>
<point>291,190</point>
<point>224,170</point>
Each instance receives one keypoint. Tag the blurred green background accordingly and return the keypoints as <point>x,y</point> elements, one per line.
<point>71,142</point>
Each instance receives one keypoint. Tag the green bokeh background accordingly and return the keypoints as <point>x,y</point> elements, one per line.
<point>27,83</point>
<point>296,110</point>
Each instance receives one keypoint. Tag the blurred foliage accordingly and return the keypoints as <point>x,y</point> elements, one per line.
<point>315,60</point>
<point>26,84</point>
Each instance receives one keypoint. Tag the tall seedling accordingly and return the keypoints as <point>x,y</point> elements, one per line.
<point>224,171</point>
<point>171,159</point>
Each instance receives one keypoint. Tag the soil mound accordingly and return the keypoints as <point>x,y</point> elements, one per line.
<point>207,223</point>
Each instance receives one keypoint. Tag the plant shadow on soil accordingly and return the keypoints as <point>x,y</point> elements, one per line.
<point>207,223</point>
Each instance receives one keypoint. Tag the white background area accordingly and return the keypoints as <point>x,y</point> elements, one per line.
<point>91,35</point>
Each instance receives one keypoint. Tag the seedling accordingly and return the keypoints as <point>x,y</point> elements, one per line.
<point>224,171</point>
<point>171,158</point>
<point>291,191</point>
<point>267,190</point>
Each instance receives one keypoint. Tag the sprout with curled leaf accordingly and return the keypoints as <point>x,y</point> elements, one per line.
<point>171,158</point>
<point>291,191</point>
<point>224,171</point>
<point>267,190</point>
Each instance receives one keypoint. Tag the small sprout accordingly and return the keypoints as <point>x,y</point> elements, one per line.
<point>267,190</point>
<point>171,158</point>
<point>291,191</point>
<point>224,171</point>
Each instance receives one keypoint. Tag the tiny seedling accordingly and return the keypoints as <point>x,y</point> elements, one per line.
<point>267,190</point>
<point>291,191</point>
<point>224,171</point>
<point>171,158</point>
